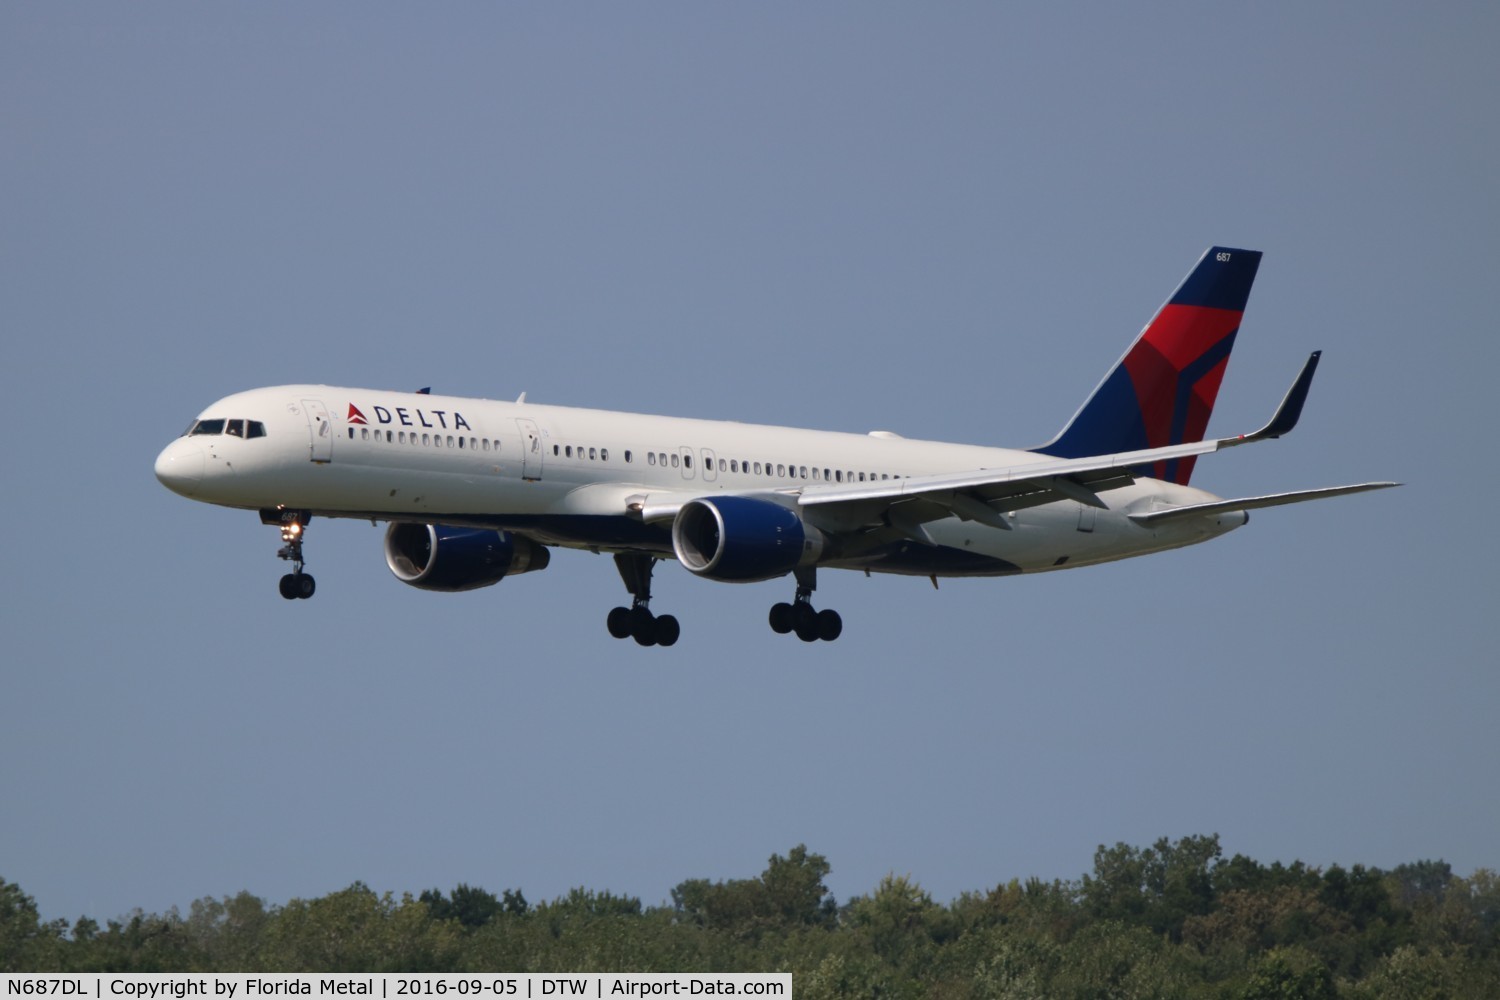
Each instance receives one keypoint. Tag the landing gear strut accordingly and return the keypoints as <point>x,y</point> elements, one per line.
<point>800,616</point>
<point>637,621</point>
<point>296,584</point>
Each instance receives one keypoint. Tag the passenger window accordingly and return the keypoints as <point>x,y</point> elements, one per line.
<point>364,433</point>
<point>803,471</point>
<point>426,440</point>
<point>674,461</point>
<point>734,465</point>
<point>593,454</point>
<point>650,458</point>
<point>351,434</point>
<point>661,458</point>
<point>627,455</point>
<point>687,461</point>
<point>460,442</point>
<point>450,440</point>
<point>604,454</point>
<point>554,449</point>
<point>568,451</point>
<point>255,429</point>
<point>723,465</point>
<point>861,477</point>
<point>780,470</point>
<point>757,468</point>
<point>838,475</point>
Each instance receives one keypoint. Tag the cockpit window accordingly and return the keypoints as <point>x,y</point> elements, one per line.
<point>234,428</point>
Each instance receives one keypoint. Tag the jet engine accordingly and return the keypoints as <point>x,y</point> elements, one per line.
<point>440,557</point>
<point>742,539</point>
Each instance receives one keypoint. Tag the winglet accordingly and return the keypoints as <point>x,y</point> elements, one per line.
<point>1290,410</point>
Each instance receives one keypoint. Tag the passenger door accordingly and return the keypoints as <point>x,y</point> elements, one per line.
<point>320,427</point>
<point>531,450</point>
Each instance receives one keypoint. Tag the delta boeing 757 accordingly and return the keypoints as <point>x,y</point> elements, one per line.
<point>476,490</point>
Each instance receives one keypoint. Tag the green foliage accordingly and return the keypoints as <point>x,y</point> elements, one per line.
<point>24,940</point>
<point>1173,920</point>
<point>789,893</point>
<point>471,907</point>
<point>1159,886</point>
<point>1290,974</point>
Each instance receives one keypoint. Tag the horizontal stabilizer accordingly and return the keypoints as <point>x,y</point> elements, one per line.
<point>1253,503</point>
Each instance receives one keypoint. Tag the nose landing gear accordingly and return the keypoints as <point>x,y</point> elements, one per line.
<point>295,585</point>
<point>801,617</point>
<point>637,622</point>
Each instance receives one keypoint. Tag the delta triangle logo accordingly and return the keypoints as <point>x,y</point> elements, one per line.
<point>355,417</point>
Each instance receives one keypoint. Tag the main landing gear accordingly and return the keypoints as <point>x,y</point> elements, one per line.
<point>800,616</point>
<point>637,621</point>
<point>296,584</point>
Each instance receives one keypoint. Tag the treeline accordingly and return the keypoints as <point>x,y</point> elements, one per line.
<point>1175,919</point>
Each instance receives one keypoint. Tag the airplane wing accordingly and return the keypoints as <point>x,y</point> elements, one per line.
<point>981,495</point>
<point>900,507</point>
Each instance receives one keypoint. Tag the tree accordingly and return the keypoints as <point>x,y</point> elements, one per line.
<point>900,918</point>
<point>26,944</point>
<point>470,906</point>
<point>789,893</point>
<point>794,887</point>
<point>1159,886</point>
<point>1290,974</point>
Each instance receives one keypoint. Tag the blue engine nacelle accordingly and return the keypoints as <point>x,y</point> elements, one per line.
<point>741,539</point>
<point>440,557</point>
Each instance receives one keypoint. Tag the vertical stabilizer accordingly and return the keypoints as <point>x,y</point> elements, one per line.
<point>1163,390</point>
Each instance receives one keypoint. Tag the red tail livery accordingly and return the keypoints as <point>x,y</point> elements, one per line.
<point>1163,390</point>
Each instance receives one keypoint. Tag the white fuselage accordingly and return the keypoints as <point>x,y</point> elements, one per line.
<point>590,478</point>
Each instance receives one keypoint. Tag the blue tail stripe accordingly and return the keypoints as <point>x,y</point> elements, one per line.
<point>1221,281</point>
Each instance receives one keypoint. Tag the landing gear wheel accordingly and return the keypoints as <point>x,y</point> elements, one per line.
<point>781,618</point>
<point>306,585</point>
<point>619,623</point>
<point>804,618</point>
<point>808,633</point>
<point>667,630</point>
<point>829,625</point>
<point>289,587</point>
<point>643,626</point>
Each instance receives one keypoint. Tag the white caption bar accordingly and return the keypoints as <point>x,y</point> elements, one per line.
<point>236,986</point>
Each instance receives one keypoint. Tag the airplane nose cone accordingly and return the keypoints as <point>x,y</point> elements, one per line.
<point>179,467</point>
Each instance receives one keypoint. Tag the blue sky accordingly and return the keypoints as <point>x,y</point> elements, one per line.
<point>945,221</point>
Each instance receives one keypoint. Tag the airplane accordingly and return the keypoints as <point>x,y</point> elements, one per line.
<point>475,490</point>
